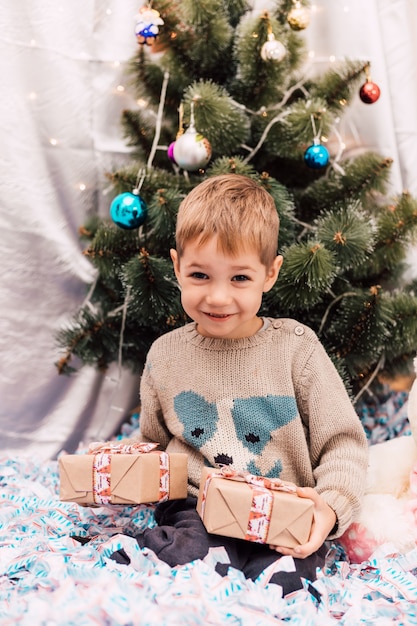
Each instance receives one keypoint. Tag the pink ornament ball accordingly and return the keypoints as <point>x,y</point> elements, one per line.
<point>171,152</point>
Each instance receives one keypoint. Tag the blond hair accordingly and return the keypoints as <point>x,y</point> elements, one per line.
<point>235,208</point>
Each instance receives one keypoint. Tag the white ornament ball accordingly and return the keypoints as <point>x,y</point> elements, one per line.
<point>192,151</point>
<point>273,50</point>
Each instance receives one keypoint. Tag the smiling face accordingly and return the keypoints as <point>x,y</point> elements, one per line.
<point>220,292</point>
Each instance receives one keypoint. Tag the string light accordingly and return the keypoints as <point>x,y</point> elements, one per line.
<point>117,91</point>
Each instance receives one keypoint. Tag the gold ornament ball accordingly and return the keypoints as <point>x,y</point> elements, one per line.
<point>298,18</point>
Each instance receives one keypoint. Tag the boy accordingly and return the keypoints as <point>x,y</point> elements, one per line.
<point>231,388</point>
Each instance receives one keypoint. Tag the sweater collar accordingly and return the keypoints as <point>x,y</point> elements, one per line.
<point>210,343</point>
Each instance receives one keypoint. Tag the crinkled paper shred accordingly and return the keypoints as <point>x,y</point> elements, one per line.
<point>48,577</point>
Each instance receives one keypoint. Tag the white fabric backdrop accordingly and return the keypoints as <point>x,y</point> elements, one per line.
<point>62,65</point>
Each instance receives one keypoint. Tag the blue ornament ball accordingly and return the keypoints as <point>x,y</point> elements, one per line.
<point>128,210</point>
<point>316,156</point>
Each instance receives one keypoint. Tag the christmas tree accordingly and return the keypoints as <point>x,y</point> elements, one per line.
<point>222,88</point>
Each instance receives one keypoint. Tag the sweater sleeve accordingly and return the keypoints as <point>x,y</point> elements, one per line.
<point>152,426</point>
<point>337,440</point>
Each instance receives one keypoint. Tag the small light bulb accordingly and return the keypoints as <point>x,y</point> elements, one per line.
<point>332,58</point>
<point>53,141</point>
<point>108,11</point>
<point>82,186</point>
<point>33,95</point>
<point>120,88</point>
<point>311,54</point>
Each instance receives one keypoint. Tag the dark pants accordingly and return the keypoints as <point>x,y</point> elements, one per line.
<point>180,537</point>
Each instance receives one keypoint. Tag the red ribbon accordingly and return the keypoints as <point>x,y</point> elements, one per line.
<point>275,484</point>
<point>262,499</point>
<point>102,467</point>
<point>118,447</point>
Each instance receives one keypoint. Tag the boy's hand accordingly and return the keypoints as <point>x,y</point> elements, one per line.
<point>324,519</point>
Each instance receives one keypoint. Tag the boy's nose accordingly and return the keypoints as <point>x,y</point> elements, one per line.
<point>218,295</point>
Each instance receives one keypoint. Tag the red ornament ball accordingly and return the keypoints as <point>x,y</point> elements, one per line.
<point>369,92</point>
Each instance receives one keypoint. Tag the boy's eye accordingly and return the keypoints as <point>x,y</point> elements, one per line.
<point>240,278</point>
<point>199,275</point>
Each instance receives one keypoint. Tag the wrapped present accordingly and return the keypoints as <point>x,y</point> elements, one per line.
<point>263,510</point>
<point>121,473</point>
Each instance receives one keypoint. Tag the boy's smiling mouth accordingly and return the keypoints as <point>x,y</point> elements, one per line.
<point>219,315</point>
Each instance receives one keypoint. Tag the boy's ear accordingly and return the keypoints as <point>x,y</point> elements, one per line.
<point>175,261</point>
<point>272,273</point>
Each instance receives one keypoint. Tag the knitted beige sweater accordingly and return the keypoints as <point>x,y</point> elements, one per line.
<point>272,404</point>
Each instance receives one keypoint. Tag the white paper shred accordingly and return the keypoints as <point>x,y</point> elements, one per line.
<point>47,577</point>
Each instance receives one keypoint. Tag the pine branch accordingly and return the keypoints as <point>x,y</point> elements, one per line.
<point>137,130</point>
<point>336,87</point>
<point>348,233</point>
<point>307,273</point>
<point>361,177</point>
<point>360,328</point>
<point>111,247</point>
<point>155,294</point>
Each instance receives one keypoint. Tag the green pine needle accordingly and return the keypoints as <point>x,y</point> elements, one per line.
<point>155,294</point>
<point>360,328</point>
<point>217,116</point>
<point>307,273</point>
<point>348,233</point>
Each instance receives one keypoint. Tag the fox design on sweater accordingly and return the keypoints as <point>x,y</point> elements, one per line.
<point>205,423</point>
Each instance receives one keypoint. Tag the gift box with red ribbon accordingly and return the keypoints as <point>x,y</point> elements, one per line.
<point>122,473</point>
<point>254,508</point>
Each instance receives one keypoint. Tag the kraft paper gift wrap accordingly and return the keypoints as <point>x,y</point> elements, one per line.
<point>117,473</point>
<point>240,505</point>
